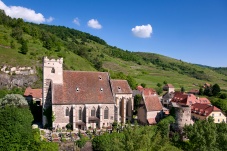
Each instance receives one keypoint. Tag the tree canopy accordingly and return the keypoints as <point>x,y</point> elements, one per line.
<point>216,89</point>
<point>14,100</point>
<point>205,135</point>
<point>133,138</point>
<point>15,128</point>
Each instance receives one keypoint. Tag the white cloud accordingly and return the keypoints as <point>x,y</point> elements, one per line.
<point>76,21</point>
<point>93,23</point>
<point>50,19</point>
<point>24,13</point>
<point>143,31</point>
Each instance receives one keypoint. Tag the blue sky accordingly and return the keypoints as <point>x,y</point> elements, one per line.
<point>194,31</point>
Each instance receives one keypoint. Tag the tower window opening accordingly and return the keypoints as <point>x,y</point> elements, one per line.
<point>52,70</point>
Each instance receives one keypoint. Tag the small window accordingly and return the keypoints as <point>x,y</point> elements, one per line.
<point>52,70</point>
<point>106,113</point>
<point>93,111</point>
<point>100,77</point>
<point>101,89</point>
<point>220,114</point>
<point>212,115</point>
<point>80,113</point>
<point>218,120</point>
<point>77,89</point>
<point>67,112</point>
<point>119,88</point>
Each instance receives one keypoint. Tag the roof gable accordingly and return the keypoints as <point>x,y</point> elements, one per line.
<point>152,103</point>
<point>120,86</point>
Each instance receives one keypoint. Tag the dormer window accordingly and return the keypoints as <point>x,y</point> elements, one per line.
<point>101,89</point>
<point>119,88</point>
<point>77,89</point>
<point>100,77</point>
<point>52,70</point>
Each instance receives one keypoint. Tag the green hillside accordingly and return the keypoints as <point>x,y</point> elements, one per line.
<point>24,44</point>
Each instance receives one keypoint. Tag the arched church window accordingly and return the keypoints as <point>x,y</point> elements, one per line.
<point>106,113</point>
<point>93,111</point>
<point>80,113</point>
<point>52,70</point>
<point>67,112</point>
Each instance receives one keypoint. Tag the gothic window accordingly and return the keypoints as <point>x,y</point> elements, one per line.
<point>106,113</point>
<point>52,70</point>
<point>67,112</point>
<point>80,113</point>
<point>93,111</point>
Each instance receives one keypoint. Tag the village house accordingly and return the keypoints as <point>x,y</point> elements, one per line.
<point>203,111</point>
<point>150,110</point>
<point>169,88</point>
<point>167,97</point>
<point>188,99</point>
<point>33,95</point>
<point>188,107</point>
<point>85,99</point>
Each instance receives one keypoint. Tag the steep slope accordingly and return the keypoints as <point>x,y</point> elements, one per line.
<point>82,51</point>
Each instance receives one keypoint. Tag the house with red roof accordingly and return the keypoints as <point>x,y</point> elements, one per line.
<point>188,99</point>
<point>169,88</point>
<point>85,99</point>
<point>33,95</point>
<point>203,111</point>
<point>150,110</point>
<point>189,107</point>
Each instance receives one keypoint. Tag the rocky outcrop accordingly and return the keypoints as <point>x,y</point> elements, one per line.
<point>18,70</point>
<point>10,81</point>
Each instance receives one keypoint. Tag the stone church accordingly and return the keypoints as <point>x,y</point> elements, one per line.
<point>85,99</point>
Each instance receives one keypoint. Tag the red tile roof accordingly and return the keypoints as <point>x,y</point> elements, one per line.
<point>188,99</point>
<point>35,93</point>
<point>204,101</point>
<point>180,98</point>
<point>148,91</point>
<point>203,109</point>
<point>139,88</point>
<point>152,103</point>
<point>83,87</point>
<point>120,86</point>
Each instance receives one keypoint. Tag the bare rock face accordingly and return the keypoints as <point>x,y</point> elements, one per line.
<point>10,81</point>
